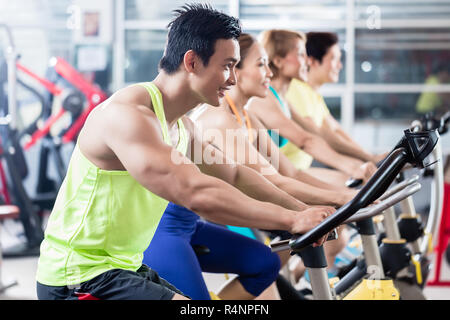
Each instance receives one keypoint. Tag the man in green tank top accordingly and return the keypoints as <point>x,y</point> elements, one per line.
<point>130,160</point>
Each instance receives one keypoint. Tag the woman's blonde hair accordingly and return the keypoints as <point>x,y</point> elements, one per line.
<point>278,43</point>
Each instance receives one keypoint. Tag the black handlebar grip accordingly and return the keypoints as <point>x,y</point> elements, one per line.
<point>374,188</point>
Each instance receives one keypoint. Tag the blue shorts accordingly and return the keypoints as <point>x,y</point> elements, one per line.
<point>172,255</point>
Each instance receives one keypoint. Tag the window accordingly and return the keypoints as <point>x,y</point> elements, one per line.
<point>143,50</point>
<point>393,49</point>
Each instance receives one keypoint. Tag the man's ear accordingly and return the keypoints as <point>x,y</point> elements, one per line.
<point>190,61</point>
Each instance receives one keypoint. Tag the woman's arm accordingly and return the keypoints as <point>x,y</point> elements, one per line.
<point>241,151</point>
<point>272,117</point>
<point>337,138</point>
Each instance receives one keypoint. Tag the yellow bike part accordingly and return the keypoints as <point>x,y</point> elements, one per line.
<point>214,296</point>
<point>374,290</point>
<point>418,268</point>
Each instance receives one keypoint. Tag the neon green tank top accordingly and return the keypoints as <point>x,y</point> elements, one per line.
<point>102,219</point>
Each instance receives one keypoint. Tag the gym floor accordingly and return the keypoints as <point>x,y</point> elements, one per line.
<point>23,270</point>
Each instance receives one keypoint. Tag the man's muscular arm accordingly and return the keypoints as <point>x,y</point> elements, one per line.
<point>134,136</point>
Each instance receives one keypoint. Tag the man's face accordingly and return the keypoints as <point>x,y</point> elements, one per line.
<point>328,70</point>
<point>210,82</point>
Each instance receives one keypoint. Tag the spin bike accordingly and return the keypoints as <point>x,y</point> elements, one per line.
<point>414,149</point>
<point>411,265</point>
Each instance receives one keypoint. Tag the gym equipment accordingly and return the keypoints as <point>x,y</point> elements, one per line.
<point>439,210</point>
<point>317,268</point>
<point>73,96</point>
<point>408,230</point>
<point>6,212</point>
<point>410,275</point>
<point>86,90</point>
<point>11,153</point>
<point>413,148</point>
<point>74,92</point>
<point>409,225</point>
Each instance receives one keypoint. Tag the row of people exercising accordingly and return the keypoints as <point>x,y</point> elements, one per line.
<point>143,172</point>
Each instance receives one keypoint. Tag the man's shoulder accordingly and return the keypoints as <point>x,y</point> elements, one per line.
<point>132,95</point>
<point>121,119</point>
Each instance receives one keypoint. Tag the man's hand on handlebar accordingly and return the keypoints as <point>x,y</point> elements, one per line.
<point>311,217</point>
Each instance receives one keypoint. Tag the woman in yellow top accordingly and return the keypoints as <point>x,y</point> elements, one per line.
<point>308,107</point>
<point>287,60</point>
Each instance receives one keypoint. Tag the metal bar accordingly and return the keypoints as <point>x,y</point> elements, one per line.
<point>437,191</point>
<point>407,206</point>
<point>390,224</point>
<point>399,187</point>
<point>372,256</point>
<point>385,204</point>
<point>319,283</point>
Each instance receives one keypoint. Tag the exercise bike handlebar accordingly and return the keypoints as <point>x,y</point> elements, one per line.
<point>413,148</point>
<point>374,188</point>
<point>399,186</point>
<point>426,123</point>
<point>378,208</point>
<point>364,213</point>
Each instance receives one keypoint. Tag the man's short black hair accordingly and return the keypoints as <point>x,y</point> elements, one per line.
<point>318,43</point>
<point>196,27</point>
